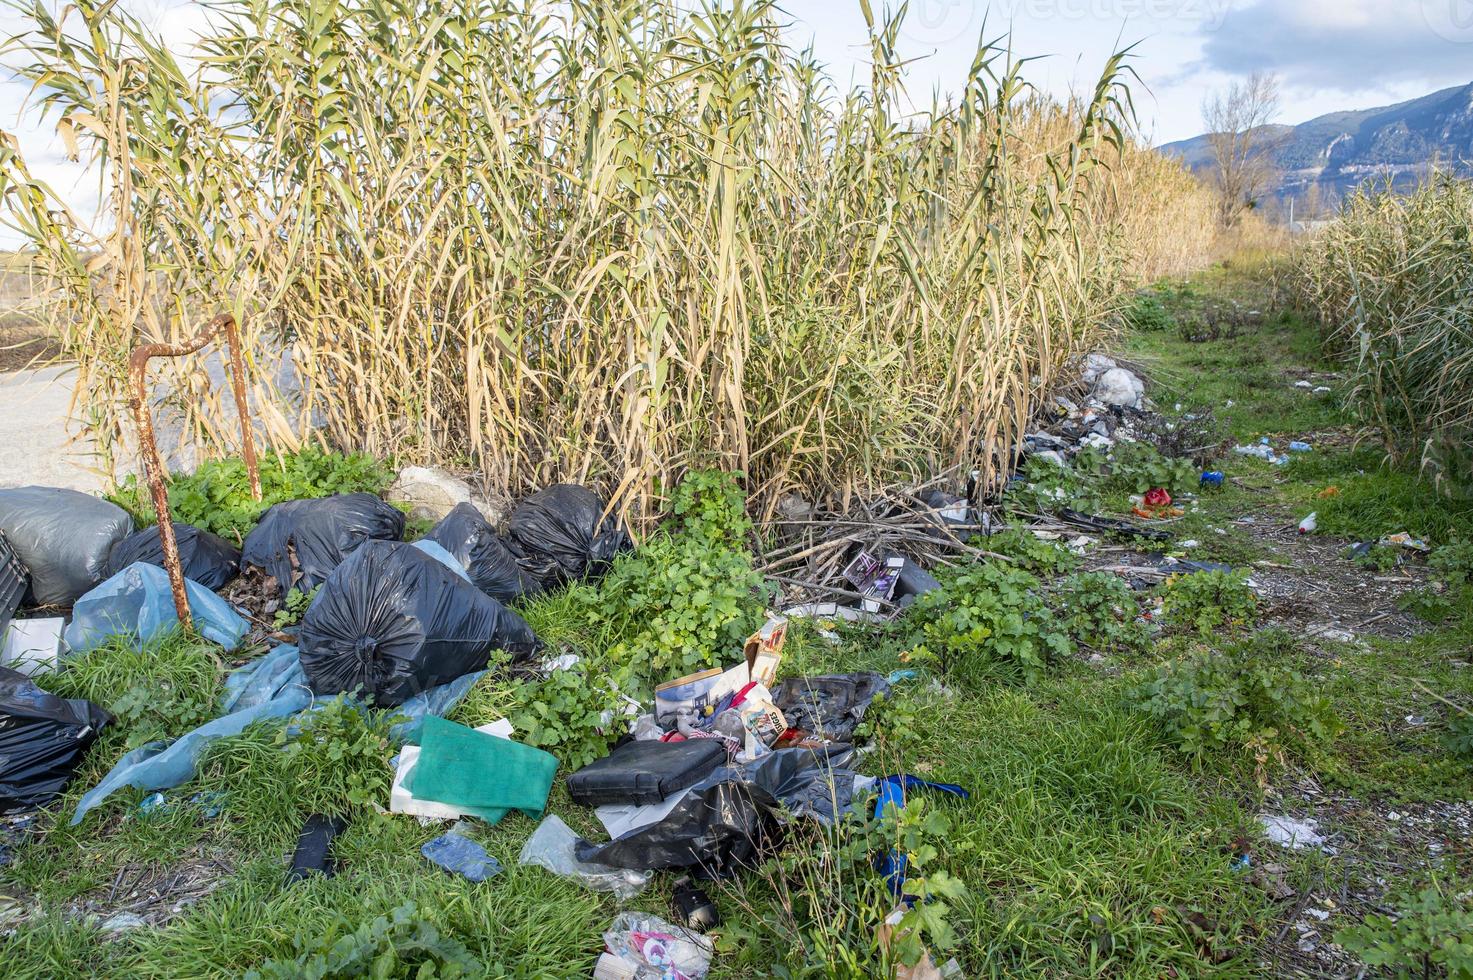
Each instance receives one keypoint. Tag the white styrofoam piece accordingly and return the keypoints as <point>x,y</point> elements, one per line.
<point>33,646</point>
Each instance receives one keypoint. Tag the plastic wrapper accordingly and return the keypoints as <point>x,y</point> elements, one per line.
<point>561,534</point>
<point>42,740</point>
<point>139,603</point>
<point>657,950</point>
<point>552,846</point>
<point>206,558</point>
<point>392,621</point>
<point>828,707</point>
<point>474,543</point>
<point>300,542</point>
<point>64,538</point>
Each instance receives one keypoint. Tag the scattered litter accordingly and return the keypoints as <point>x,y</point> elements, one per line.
<point>642,773</point>
<point>33,646</point>
<point>1211,478</point>
<point>122,922</point>
<point>405,802</point>
<point>1262,451</point>
<point>1303,384</point>
<point>1404,540</point>
<point>1109,525</point>
<point>1334,634</point>
<point>1300,447</point>
<point>392,621</point>
<point>1321,390</point>
<point>314,847</point>
<point>63,537</point>
<point>462,856</point>
<point>138,602</point>
<point>828,707</point>
<point>1416,721</point>
<point>205,558</point>
<point>644,947</point>
<point>1310,523</point>
<point>299,542</point>
<point>892,794</point>
<point>552,846</point>
<point>693,908</point>
<point>1291,832</point>
<point>42,741</point>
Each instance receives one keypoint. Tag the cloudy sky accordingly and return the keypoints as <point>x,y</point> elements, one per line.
<point>1330,54</point>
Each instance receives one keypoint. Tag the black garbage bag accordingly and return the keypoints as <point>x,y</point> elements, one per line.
<point>830,706</point>
<point>63,537</point>
<point>488,561</point>
<point>300,542</point>
<point>15,579</point>
<point>728,819</point>
<point>207,558</point>
<point>393,622</point>
<point>560,535</point>
<point>42,740</point>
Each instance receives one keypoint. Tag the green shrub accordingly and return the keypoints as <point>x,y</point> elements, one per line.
<point>166,688</point>
<point>397,945</point>
<point>338,755</point>
<point>1135,467</point>
<point>1240,697</point>
<point>294,607</point>
<point>1458,735</point>
<point>1208,601</point>
<point>1452,563</point>
<point>1030,552</point>
<point>1047,487</point>
<point>1431,934</point>
<point>573,714</point>
<point>1099,610</point>
<point>1147,312</point>
<point>688,597</point>
<point>987,622</point>
<point>217,495</point>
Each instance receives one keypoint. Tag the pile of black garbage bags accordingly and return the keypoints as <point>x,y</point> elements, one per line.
<point>389,619</point>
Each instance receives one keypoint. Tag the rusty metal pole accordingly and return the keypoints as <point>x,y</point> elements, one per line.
<point>153,464</point>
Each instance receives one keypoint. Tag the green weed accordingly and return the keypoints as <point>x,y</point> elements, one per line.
<point>1208,601</point>
<point>1432,930</point>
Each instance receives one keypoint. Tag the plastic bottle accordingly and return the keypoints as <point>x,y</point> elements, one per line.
<point>1308,525</point>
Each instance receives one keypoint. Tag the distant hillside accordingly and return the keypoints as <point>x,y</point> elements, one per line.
<point>1341,149</point>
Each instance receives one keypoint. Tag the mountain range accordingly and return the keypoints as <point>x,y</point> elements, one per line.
<point>1339,150</point>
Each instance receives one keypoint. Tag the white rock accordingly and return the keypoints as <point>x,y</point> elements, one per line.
<point>1117,386</point>
<point>431,493</point>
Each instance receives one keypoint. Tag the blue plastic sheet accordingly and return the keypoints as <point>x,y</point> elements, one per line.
<point>462,856</point>
<point>138,602</point>
<point>273,686</point>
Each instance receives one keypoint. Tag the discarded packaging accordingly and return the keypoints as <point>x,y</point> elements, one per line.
<point>704,692</point>
<point>42,740</point>
<point>63,537</point>
<point>1404,540</point>
<point>33,646</point>
<point>480,774</point>
<point>561,534</point>
<point>138,603</point>
<point>828,707</point>
<point>1300,447</point>
<point>1291,831</point>
<point>393,621</point>
<point>1211,478</point>
<point>654,949</point>
<point>552,846</point>
<point>206,558</point>
<point>300,542</point>
<point>1309,524</point>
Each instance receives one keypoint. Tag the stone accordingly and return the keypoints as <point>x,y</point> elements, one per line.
<point>1117,386</point>
<point>431,493</point>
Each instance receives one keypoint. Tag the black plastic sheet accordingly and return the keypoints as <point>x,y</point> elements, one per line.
<point>561,534</point>
<point>830,706</point>
<point>300,542</point>
<point>393,622</point>
<point>474,543</point>
<point>15,579</point>
<point>42,740</point>
<point>207,558</point>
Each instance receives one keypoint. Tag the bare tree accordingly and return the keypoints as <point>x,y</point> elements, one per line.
<point>1241,144</point>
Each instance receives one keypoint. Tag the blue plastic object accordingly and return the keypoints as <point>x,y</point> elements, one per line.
<point>1212,478</point>
<point>892,790</point>
<point>1300,447</point>
<point>436,701</point>
<point>436,551</point>
<point>138,602</point>
<point>461,856</point>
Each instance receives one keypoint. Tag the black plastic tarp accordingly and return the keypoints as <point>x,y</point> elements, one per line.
<point>392,622</point>
<point>63,537</point>
<point>42,739</point>
<point>488,561</point>
<point>207,558</point>
<point>14,581</point>
<point>830,706</point>
<point>561,534</point>
<point>728,819</point>
<point>300,542</point>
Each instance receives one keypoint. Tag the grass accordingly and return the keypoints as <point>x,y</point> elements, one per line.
<point>1089,846</point>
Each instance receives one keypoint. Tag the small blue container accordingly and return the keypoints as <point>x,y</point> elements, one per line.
<point>1211,478</point>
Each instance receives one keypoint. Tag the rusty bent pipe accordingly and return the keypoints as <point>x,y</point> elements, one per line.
<point>153,465</point>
